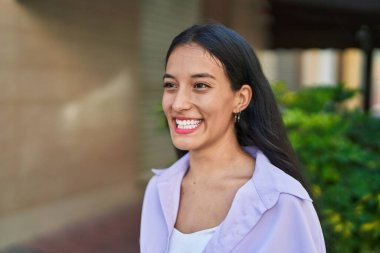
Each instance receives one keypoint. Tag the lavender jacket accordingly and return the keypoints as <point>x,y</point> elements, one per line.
<point>271,213</point>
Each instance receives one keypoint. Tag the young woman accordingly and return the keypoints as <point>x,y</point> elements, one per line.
<point>237,187</point>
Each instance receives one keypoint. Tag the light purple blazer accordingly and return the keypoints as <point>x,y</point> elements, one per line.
<point>271,213</point>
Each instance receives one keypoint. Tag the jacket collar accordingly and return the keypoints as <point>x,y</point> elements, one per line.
<point>256,196</point>
<point>169,189</point>
<point>251,201</point>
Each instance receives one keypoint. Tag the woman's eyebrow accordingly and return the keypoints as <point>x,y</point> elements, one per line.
<point>166,75</point>
<point>200,75</point>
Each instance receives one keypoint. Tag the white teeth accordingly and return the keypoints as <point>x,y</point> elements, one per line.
<point>188,124</point>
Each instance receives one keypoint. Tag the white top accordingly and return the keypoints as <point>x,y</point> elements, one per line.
<point>190,243</point>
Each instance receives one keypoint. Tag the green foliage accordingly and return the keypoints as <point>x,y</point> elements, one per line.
<point>340,151</point>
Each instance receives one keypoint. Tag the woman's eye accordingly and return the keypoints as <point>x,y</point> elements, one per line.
<point>201,86</point>
<point>169,86</point>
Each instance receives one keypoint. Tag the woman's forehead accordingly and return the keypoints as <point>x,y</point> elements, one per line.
<point>191,52</point>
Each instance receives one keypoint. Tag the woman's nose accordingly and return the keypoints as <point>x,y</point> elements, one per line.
<point>182,100</point>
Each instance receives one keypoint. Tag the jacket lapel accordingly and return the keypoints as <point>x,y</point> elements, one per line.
<point>245,212</point>
<point>169,188</point>
<point>251,201</point>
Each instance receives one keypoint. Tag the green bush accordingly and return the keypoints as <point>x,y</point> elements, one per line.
<point>340,152</point>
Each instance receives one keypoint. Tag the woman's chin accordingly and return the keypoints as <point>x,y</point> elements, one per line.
<point>183,145</point>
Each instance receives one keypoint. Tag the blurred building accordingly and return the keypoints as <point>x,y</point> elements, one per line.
<point>68,81</point>
<point>80,95</point>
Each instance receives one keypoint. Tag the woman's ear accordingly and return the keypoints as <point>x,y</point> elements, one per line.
<point>242,98</point>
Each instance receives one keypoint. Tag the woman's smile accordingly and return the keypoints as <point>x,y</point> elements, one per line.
<point>186,125</point>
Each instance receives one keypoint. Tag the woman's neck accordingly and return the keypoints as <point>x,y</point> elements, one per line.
<point>220,160</point>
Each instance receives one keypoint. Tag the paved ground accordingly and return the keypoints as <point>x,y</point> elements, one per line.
<point>117,232</point>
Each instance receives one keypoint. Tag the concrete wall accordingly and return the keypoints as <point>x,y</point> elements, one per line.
<point>68,87</point>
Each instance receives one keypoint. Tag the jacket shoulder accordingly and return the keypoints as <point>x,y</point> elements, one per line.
<point>270,182</point>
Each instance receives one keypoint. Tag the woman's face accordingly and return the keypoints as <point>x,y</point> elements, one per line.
<point>198,100</point>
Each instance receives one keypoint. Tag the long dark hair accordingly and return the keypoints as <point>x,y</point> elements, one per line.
<point>261,122</point>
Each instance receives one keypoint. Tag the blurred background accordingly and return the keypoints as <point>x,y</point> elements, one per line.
<point>80,122</point>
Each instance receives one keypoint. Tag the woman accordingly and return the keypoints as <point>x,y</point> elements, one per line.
<point>237,187</point>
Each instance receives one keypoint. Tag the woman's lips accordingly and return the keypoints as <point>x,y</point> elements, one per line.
<point>186,125</point>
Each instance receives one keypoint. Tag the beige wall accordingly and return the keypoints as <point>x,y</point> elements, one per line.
<point>68,87</point>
